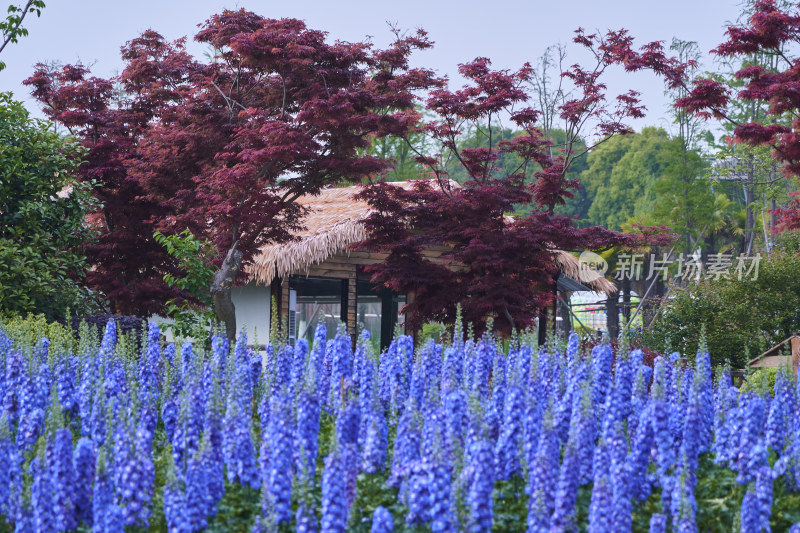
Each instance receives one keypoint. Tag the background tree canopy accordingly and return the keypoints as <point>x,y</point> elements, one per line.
<point>42,210</point>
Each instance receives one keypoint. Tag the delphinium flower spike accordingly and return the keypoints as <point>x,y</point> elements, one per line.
<point>382,521</point>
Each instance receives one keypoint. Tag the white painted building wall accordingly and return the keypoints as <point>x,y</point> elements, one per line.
<point>252,311</point>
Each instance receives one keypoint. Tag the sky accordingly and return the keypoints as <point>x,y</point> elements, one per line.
<point>508,32</point>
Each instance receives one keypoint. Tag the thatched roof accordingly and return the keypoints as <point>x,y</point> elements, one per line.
<point>334,221</point>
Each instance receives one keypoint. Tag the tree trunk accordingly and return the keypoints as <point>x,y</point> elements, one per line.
<point>612,315</point>
<point>221,290</point>
<point>626,300</point>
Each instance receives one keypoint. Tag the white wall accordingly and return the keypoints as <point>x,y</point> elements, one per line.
<point>252,311</point>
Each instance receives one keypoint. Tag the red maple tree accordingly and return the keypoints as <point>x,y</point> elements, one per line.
<point>224,147</point>
<point>497,265</point>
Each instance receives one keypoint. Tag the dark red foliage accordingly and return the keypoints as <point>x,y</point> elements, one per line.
<point>495,265</point>
<point>178,143</point>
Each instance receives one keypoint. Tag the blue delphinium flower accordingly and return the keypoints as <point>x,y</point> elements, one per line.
<point>198,501</point>
<point>724,405</point>
<point>375,443</point>
<point>306,436</point>
<point>237,447</point>
<point>109,341</point>
<point>341,366</point>
<point>334,500</point>
<point>44,516</point>
<point>665,455</point>
<point>751,450</point>
<point>456,420</point>
<point>417,389</point>
<point>298,363</point>
<point>638,460</point>
<point>106,514</point>
<point>284,363</point>
<point>543,478</point>
<point>175,503</point>
<point>278,491</point>
<point>484,356</point>
<point>31,417</point>
<point>65,383</point>
<point>150,367</point>
<point>620,481</point>
<point>134,475</point>
<point>757,503</point>
<point>602,359</point>
<point>479,497</point>
<point>84,463</point>
<point>507,460</point>
<point>382,521</point>
<point>658,523</point>
<point>683,503</point>
<point>14,382</point>
<point>63,479</point>
<point>347,424</point>
<point>602,495</point>
<point>566,496</point>
<point>406,445</point>
<point>417,495</point>
<point>777,421</point>
<point>367,394</point>
<point>442,504</point>
<point>7,447</point>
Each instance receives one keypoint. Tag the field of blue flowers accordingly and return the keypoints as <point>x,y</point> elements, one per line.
<point>465,437</point>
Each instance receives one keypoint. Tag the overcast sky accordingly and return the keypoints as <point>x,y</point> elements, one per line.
<point>508,32</point>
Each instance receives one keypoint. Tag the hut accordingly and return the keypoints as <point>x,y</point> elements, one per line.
<point>319,277</point>
<point>773,357</point>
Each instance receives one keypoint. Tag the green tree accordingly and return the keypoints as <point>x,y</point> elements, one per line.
<point>742,317</point>
<point>42,217</point>
<point>620,175</point>
<point>11,28</point>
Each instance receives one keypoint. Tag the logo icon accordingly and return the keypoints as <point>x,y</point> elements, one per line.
<point>592,265</point>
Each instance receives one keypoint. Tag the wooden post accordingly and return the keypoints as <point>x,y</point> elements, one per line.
<point>283,317</point>
<point>795,353</point>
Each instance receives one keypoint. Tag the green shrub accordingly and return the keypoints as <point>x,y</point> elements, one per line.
<point>740,317</point>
